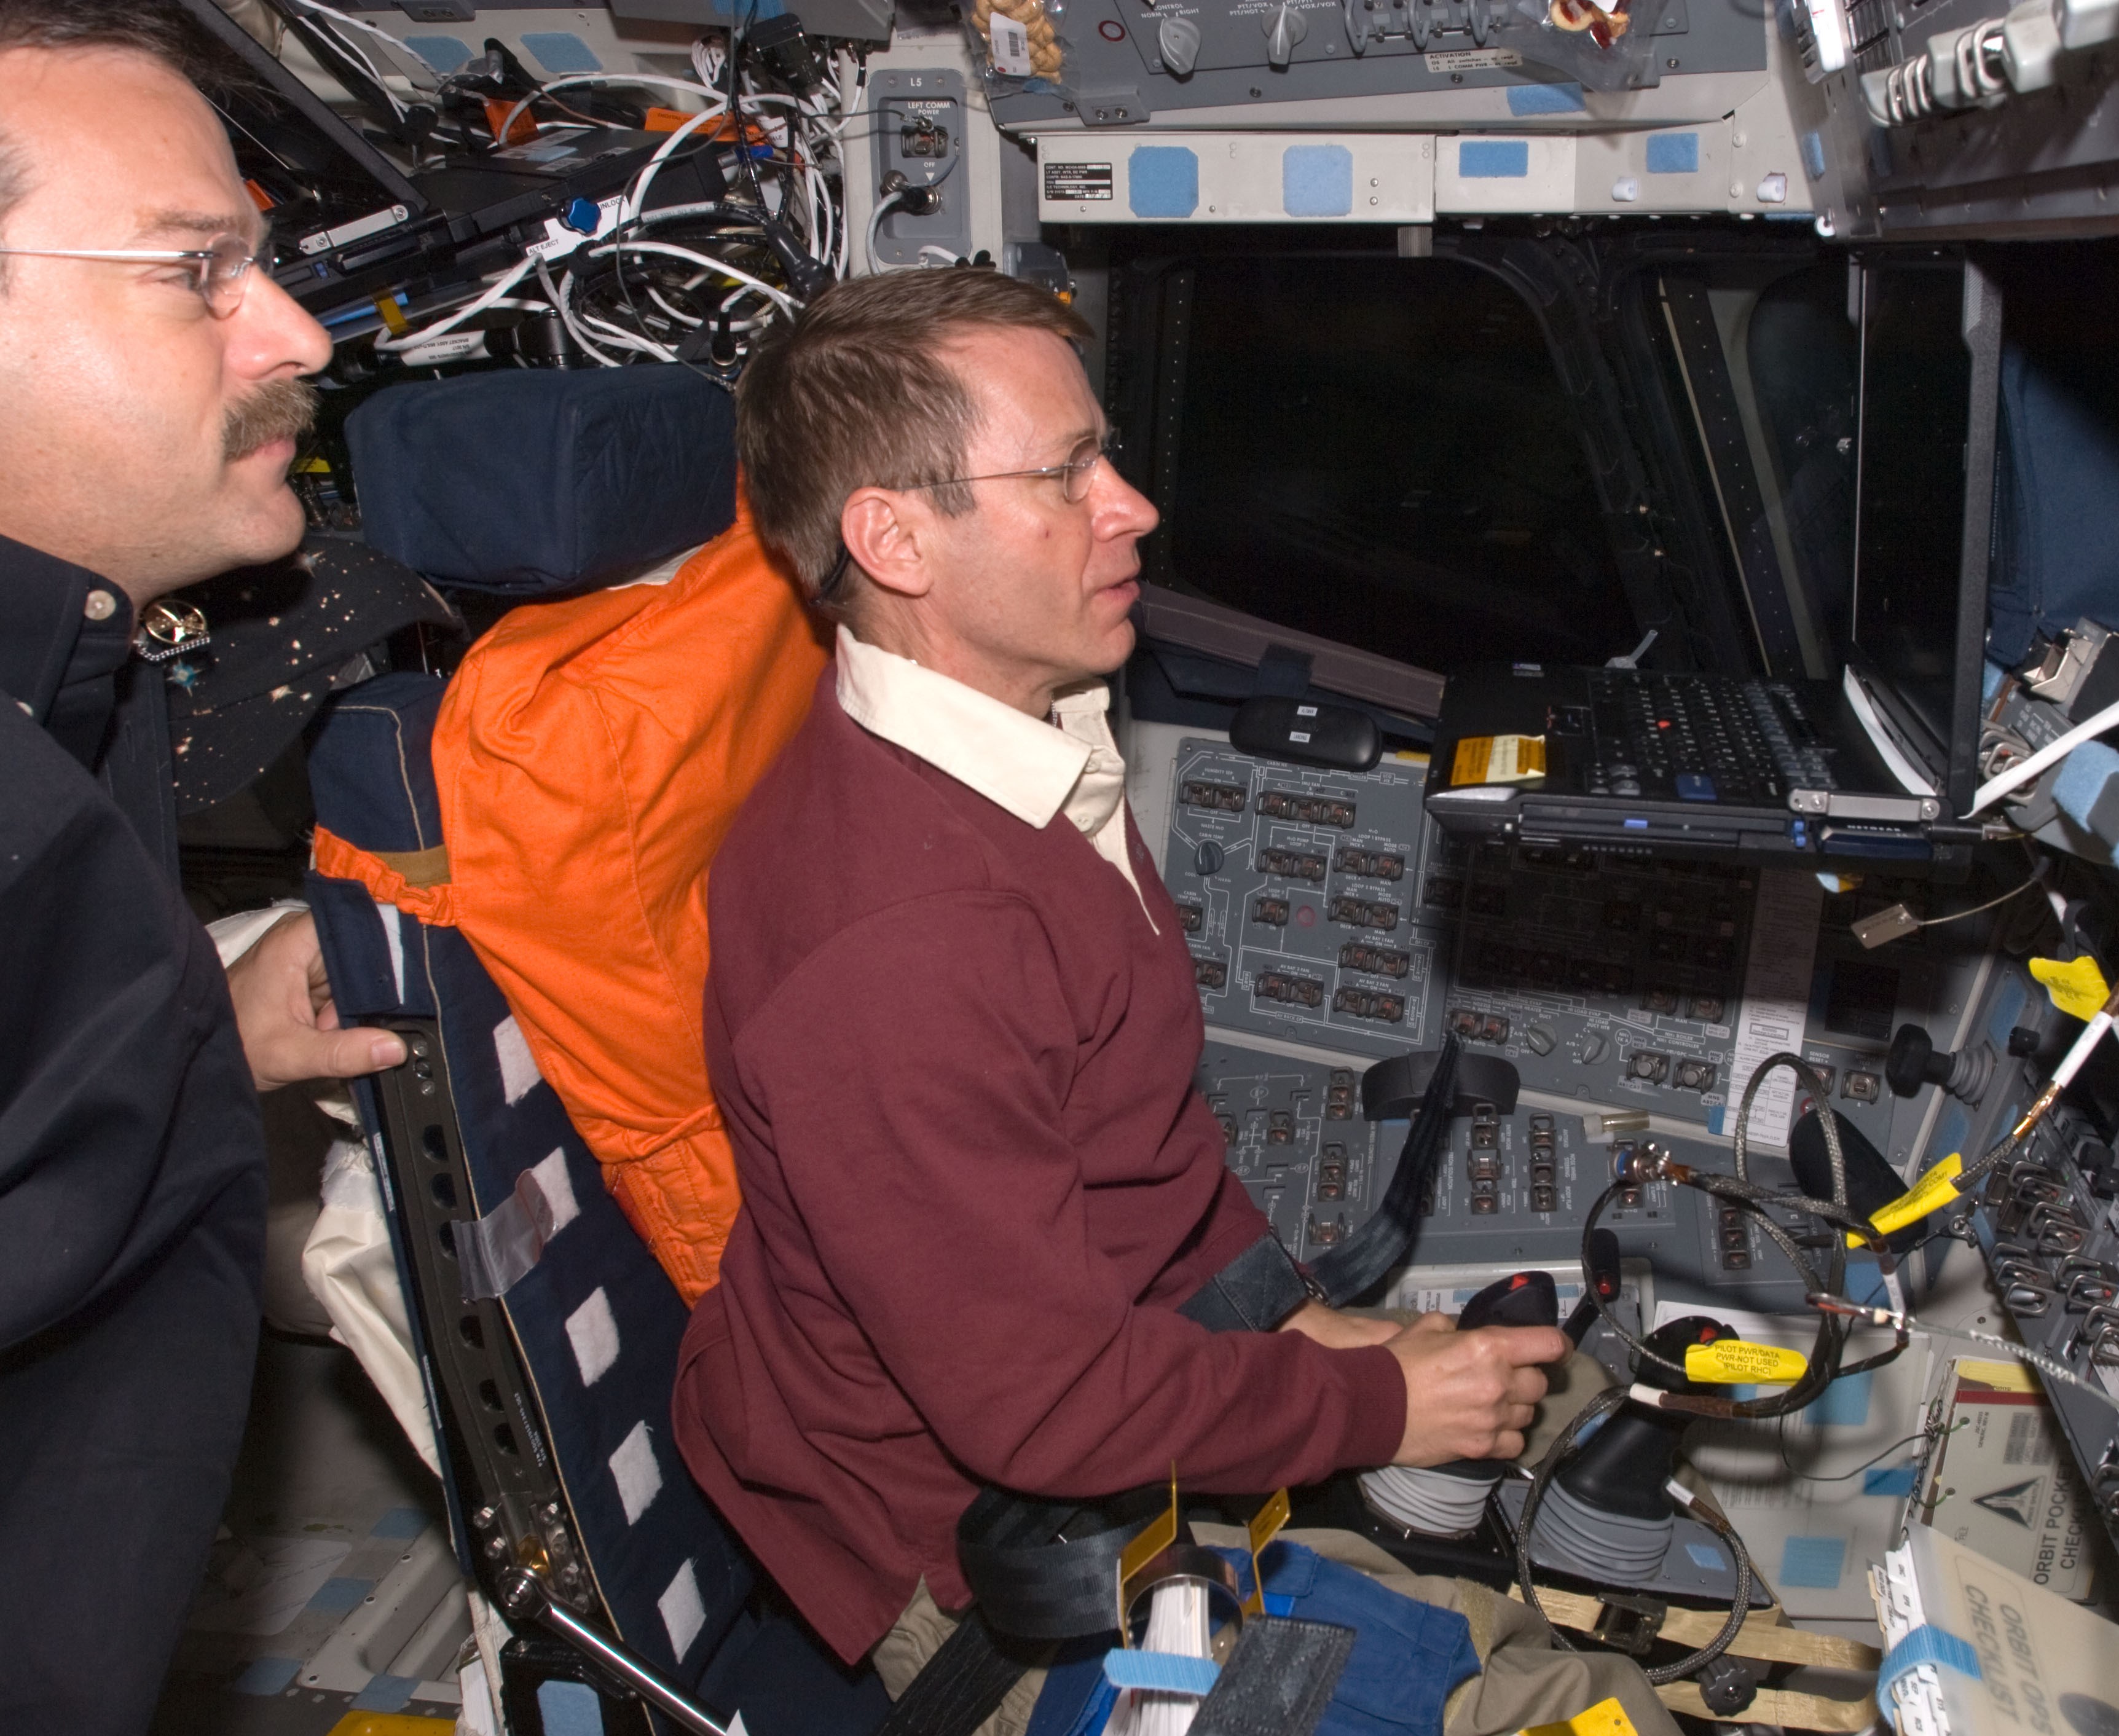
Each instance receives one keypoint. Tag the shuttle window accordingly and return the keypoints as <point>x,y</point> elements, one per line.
<point>1380,450</point>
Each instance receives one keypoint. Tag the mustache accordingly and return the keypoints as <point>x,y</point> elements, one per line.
<point>279,410</point>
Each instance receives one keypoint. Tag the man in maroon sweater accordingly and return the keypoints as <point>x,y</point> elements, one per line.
<point>953,1025</point>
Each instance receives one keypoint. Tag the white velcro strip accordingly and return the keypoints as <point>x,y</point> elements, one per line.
<point>593,1333</point>
<point>633,1469</point>
<point>682,1615</point>
<point>518,1071</point>
<point>393,937</point>
<point>557,1187</point>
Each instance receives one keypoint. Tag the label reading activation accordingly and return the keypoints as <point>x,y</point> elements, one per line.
<point>1472,60</point>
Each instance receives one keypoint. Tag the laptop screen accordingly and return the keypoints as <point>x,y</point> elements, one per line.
<point>1925,456</point>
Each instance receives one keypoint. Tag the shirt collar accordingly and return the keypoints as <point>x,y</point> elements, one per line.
<point>52,641</point>
<point>1029,769</point>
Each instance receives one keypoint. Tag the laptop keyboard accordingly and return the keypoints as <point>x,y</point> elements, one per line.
<point>1701,738</point>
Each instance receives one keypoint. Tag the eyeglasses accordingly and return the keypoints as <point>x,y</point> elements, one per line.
<point>219,271</point>
<point>1074,475</point>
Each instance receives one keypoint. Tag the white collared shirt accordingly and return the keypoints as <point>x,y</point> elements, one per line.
<point>1032,770</point>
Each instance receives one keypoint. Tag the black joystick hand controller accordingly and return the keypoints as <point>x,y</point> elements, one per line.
<point>1520,1299</point>
<point>1626,1464</point>
<point>1913,1061</point>
<point>1606,1517</point>
<point>1446,1500</point>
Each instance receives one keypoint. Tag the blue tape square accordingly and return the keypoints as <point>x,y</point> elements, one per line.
<point>1317,181</point>
<point>1493,160</point>
<point>1889,1479</point>
<point>266,1676</point>
<point>1707,1557</point>
<point>2009,1001</point>
<point>1162,181</point>
<point>1673,153</point>
<point>1813,1562</point>
<point>561,51</point>
<point>400,1522</point>
<point>386,1694</point>
<point>1844,1403</point>
<point>1546,99</point>
<point>569,1708</point>
<point>336,1596</point>
<point>445,54</point>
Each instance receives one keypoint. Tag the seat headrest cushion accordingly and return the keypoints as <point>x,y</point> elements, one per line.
<point>534,481</point>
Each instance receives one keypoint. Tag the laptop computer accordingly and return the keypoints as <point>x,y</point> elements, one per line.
<point>1875,765</point>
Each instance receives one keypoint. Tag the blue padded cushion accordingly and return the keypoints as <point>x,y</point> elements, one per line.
<point>669,1569</point>
<point>2056,506</point>
<point>536,481</point>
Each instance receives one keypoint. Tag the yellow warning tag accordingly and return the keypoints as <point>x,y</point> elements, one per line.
<point>1161,1532</point>
<point>1498,759</point>
<point>1605,1718</point>
<point>1931,1193</point>
<point>1264,1526</point>
<point>2001,1376</point>
<point>1733,1362</point>
<point>2077,987</point>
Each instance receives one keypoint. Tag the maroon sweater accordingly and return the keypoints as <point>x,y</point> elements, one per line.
<point>956,1062</point>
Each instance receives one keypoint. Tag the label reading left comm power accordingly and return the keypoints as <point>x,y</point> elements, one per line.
<point>1066,181</point>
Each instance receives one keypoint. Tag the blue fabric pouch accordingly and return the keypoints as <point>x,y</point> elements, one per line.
<point>1408,1658</point>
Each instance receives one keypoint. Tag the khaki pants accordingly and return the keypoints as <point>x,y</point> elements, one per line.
<point>1523,1680</point>
<point>918,1634</point>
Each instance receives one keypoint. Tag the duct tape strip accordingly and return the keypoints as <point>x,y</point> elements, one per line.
<point>1927,1643</point>
<point>495,1251</point>
<point>1159,1672</point>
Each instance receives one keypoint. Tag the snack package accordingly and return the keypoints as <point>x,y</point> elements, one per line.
<point>1022,42</point>
<point>1600,44</point>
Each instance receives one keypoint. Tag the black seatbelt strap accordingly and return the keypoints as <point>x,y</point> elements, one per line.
<point>1358,1264</point>
<point>961,1685</point>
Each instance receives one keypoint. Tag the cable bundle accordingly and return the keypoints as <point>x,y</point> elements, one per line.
<point>696,283</point>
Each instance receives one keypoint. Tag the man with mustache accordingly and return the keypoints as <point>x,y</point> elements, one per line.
<point>952,1023</point>
<point>151,394</point>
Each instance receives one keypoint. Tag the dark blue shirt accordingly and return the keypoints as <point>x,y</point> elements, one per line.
<point>126,1111</point>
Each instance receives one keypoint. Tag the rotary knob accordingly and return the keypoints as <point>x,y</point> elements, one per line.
<point>1177,40</point>
<point>1283,30</point>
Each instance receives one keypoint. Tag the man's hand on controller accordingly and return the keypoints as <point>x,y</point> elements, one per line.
<point>1471,1395</point>
<point>284,1010</point>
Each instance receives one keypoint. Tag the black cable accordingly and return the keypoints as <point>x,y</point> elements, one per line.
<point>1929,1434</point>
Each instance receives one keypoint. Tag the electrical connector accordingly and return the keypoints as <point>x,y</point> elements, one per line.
<point>1894,922</point>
